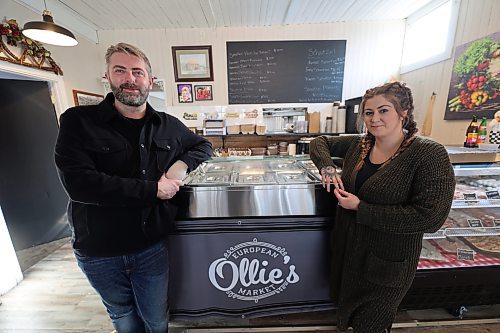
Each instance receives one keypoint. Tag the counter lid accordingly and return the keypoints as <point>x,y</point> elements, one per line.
<point>472,155</point>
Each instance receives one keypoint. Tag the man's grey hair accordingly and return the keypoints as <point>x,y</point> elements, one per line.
<point>130,50</point>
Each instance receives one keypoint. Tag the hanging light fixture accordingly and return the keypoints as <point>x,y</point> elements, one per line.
<point>48,32</point>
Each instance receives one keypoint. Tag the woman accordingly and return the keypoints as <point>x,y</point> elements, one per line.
<point>186,94</point>
<point>394,187</point>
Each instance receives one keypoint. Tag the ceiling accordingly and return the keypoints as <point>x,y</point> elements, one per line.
<point>95,15</point>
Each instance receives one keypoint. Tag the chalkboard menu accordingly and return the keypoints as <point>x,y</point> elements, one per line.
<point>306,71</point>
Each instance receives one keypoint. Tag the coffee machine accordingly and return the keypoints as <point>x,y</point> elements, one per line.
<point>282,120</point>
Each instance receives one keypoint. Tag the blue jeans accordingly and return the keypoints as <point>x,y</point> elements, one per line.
<point>133,288</point>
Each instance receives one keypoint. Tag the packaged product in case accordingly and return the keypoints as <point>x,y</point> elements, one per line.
<point>495,129</point>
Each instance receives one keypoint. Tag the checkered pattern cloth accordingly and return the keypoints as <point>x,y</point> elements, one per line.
<point>452,262</point>
<point>495,137</point>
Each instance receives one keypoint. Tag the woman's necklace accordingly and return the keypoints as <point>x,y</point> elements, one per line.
<point>381,154</point>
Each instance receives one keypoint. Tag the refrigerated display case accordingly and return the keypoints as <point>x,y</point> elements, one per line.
<point>460,264</point>
<point>250,237</point>
<point>253,238</point>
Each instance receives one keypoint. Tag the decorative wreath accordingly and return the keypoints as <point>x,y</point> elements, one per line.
<point>33,53</point>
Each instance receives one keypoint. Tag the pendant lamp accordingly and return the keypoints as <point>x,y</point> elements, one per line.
<point>48,32</point>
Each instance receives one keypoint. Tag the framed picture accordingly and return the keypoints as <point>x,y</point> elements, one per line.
<point>192,63</point>
<point>203,92</point>
<point>474,84</point>
<point>86,98</point>
<point>185,93</point>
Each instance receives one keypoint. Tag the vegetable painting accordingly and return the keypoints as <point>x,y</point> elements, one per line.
<point>475,83</point>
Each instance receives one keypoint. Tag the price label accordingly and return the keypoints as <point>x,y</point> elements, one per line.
<point>470,196</point>
<point>475,223</point>
<point>496,222</point>
<point>465,255</point>
<point>493,194</point>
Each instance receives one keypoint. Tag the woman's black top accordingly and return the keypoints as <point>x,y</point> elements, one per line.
<point>366,172</point>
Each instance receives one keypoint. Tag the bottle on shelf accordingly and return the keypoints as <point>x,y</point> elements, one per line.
<point>341,116</point>
<point>471,135</point>
<point>482,131</point>
<point>335,112</point>
<point>329,122</point>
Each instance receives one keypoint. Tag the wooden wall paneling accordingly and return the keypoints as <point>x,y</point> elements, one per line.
<point>476,19</point>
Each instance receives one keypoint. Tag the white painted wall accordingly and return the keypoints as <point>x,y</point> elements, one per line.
<point>372,57</point>
<point>477,19</point>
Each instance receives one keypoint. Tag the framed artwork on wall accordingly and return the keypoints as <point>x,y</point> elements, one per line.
<point>86,98</point>
<point>203,92</point>
<point>475,80</point>
<point>185,93</point>
<point>192,63</point>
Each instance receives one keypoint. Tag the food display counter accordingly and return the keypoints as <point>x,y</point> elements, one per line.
<point>252,239</point>
<point>460,264</point>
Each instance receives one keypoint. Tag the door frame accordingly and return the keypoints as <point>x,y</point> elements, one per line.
<point>59,99</point>
<point>56,83</point>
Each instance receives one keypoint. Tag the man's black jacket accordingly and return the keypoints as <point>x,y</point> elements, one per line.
<point>110,211</point>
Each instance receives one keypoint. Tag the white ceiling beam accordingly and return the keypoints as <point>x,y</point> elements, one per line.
<point>252,12</point>
<point>208,13</point>
<point>224,5</point>
<point>328,14</point>
<point>279,11</point>
<point>320,8</point>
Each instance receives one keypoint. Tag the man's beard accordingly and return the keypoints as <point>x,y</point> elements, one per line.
<point>130,99</point>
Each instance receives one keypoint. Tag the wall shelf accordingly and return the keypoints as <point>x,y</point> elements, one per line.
<point>254,140</point>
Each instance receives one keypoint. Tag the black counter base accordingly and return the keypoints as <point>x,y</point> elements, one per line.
<point>453,288</point>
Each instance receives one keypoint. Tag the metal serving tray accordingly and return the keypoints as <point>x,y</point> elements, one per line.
<point>300,177</point>
<point>284,166</point>
<point>265,178</point>
<point>308,164</point>
<point>253,188</point>
<point>225,167</point>
<point>210,179</point>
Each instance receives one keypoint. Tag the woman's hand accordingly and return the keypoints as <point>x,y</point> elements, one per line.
<point>346,200</point>
<point>329,176</point>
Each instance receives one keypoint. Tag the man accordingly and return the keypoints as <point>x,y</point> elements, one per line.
<point>121,162</point>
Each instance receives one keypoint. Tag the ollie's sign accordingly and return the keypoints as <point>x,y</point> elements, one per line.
<point>252,271</point>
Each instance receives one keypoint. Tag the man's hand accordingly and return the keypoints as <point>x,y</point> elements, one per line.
<point>167,188</point>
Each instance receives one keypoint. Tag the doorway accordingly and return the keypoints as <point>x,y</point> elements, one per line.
<point>32,199</point>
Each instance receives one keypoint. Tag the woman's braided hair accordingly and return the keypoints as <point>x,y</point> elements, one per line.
<point>401,97</point>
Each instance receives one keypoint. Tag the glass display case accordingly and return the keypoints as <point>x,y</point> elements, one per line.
<point>470,236</point>
<point>254,187</point>
<point>460,264</point>
<point>233,203</point>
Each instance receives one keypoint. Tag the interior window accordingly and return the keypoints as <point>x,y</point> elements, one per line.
<point>429,34</point>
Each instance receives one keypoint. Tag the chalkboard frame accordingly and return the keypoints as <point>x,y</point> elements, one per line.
<point>306,71</point>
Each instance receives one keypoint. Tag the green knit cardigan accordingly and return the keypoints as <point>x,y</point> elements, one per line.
<point>375,250</point>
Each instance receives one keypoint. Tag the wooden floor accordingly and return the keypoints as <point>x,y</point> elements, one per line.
<point>55,297</point>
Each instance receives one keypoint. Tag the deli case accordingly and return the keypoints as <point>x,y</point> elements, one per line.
<point>460,264</point>
<point>252,239</point>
